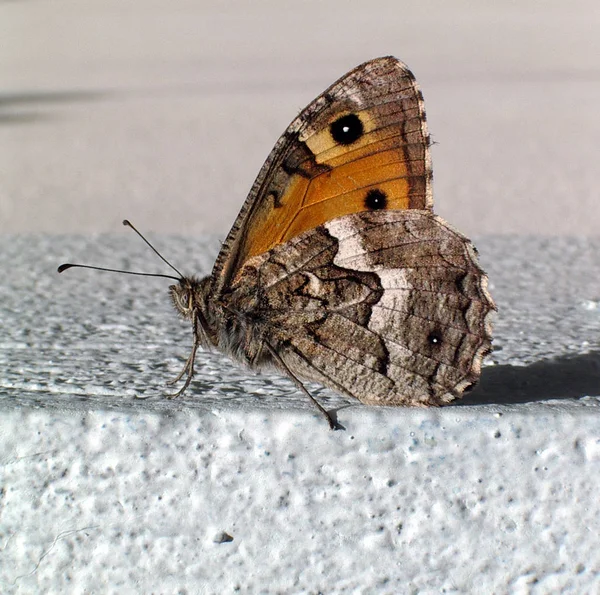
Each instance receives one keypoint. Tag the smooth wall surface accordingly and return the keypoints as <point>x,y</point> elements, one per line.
<point>163,112</point>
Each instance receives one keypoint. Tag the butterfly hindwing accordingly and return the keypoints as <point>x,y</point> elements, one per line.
<point>389,307</point>
<point>362,145</point>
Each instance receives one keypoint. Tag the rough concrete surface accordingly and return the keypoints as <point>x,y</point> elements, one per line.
<point>108,485</point>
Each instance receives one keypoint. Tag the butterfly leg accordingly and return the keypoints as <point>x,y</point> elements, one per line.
<point>189,369</point>
<point>333,423</point>
<point>189,365</point>
<point>182,373</point>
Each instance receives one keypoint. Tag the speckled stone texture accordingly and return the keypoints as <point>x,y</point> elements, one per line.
<point>107,485</point>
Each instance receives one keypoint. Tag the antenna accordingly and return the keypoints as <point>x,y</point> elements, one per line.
<point>70,265</point>
<point>128,224</point>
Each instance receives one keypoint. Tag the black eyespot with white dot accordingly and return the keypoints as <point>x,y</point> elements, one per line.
<point>376,199</point>
<point>347,129</point>
<point>435,338</point>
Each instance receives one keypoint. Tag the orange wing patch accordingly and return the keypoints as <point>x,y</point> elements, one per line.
<point>336,177</point>
<point>361,145</point>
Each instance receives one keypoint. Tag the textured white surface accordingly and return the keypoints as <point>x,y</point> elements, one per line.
<point>104,492</point>
<point>454,501</point>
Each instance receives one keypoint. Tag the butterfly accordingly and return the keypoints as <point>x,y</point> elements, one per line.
<point>336,270</point>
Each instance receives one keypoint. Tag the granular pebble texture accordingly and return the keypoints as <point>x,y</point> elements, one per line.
<point>107,484</point>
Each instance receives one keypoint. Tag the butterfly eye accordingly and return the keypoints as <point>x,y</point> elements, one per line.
<point>347,129</point>
<point>182,298</point>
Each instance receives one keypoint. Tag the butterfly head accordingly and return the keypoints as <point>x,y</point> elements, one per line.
<point>189,296</point>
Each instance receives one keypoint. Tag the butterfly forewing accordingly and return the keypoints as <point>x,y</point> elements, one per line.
<point>362,145</point>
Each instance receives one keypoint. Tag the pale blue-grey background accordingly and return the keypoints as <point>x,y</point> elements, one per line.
<point>163,112</point>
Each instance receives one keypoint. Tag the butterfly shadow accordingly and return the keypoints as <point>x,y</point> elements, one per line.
<point>565,377</point>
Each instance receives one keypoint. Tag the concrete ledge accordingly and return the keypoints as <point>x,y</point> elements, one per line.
<point>241,485</point>
<point>467,500</point>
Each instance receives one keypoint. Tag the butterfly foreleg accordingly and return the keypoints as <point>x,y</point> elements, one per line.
<point>188,368</point>
<point>257,356</point>
<point>333,423</point>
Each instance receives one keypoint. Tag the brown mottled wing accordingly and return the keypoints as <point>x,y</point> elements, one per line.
<point>363,141</point>
<point>389,307</point>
